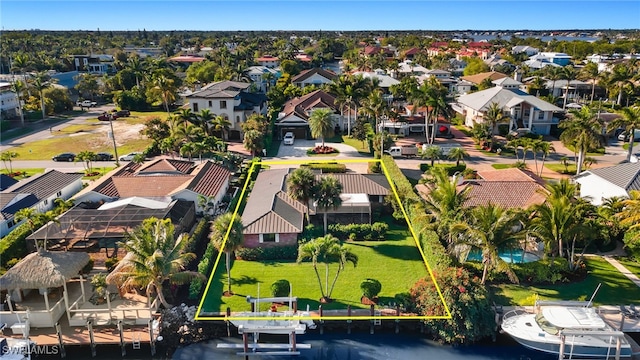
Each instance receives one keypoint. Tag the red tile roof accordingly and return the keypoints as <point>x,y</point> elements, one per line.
<point>267,58</point>
<point>187,59</point>
<point>508,194</point>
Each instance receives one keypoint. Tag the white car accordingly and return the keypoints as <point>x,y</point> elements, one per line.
<point>129,156</point>
<point>634,158</point>
<point>289,138</point>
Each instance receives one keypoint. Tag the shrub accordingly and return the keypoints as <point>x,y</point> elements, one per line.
<point>12,262</point>
<point>268,253</point>
<point>280,288</point>
<point>451,168</point>
<point>370,288</point>
<point>327,167</point>
<point>111,263</point>
<point>322,150</point>
<point>377,231</point>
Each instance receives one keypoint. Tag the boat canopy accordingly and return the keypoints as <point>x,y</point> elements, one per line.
<point>573,317</point>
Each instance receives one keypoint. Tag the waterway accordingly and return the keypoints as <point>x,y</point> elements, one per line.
<point>542,38</point>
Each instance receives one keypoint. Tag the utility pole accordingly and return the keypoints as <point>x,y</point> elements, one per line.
<point>113,137</point>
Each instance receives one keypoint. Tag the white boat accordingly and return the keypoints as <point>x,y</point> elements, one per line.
<point>268,322</point>
<point>15,349</point>
<point>573,326</point>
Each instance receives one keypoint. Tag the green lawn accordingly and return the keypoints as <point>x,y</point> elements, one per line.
<point>631,265</point>
<point>559,168</point>
<point>362,147</point>
<point>396,263</point>
<point>616,288</point>
<point>502,166</point>
<point>28,171</point>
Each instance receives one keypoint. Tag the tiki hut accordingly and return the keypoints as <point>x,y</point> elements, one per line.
<point>44,269</point>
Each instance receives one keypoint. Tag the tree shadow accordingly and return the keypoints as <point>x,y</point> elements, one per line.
<point>244,280</point>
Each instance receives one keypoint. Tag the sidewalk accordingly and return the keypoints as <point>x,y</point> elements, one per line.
<point>631,276</point>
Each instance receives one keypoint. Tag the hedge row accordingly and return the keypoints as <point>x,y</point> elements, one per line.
<point>375,231</point>
<point>434,252</point>
<point>451,168</point>
<point>200,234</point>
<point>204,267</point>
<point>545,271</point>
<point>14,244</point>
<point>268,253</point>
<point>327,167</point>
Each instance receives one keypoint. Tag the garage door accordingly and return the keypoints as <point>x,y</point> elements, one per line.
<point>299,132</point>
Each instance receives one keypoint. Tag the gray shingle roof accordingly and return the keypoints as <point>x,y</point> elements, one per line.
<point>6,181</point>
<point>626,176</point>
<point>44,185</point>
<point>481,100</point>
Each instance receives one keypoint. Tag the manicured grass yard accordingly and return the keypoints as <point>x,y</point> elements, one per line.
<point>396,263</point>
<point>631,265</point>
<point>616,288</point>
<point>559,168</point>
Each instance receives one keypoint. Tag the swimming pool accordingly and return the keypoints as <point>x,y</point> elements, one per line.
<point>507,255</point>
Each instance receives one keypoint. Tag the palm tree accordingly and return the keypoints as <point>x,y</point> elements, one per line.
<point>136,67</point>
<point>630,214</point>
<point>221,124</point>
<point>326,249</point>
<point>187,149</point>
<point>569,74</point>
<point>321,123</point>
<point>87,158</point>
<point>620,76</point>
<point>18,87</point>
<point>630,122</point>
<point>444,202</point>
<point>7,157</point>
<point>204,118</point>
<point>300,186</point>
<point>374,105</point>
<point>490,228</point>
<point>553,73</point>
<point>458,154</point>
<point>584,128</point>
<point>432,153</point>
<point>327,195</point>
<point>164,87</point>
<point>227,236</point>
<point>590,72</point>
<point>156,258</point>
<point>495,116</point>
<point>186,116</point>
<point>41,83</point>
<point>546,148</point>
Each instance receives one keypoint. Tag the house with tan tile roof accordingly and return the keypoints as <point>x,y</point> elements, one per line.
<point>273,218</point>
<point>163,177</point>
<point>478,78</point>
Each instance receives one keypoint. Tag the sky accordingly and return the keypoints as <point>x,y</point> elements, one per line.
<point>319,15</point>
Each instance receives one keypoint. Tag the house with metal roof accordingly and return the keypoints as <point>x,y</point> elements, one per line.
<point>160,178</point>
<point>315,76</point>
<point>230,99</point>
<point>295,115</point>
<point>596,185</point>
<point>37,192</point>
<point>525,111</point>
<point>273,218</point>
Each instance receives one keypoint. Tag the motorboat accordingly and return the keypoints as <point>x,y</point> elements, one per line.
<point>272,322</point>
<point>572,328</point>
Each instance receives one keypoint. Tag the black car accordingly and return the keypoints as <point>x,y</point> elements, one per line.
<point>104,157</point>
<point>64,157</point>
<point>123,113</point>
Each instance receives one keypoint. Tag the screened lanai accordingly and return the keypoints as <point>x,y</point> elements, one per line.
<point>86,228</point>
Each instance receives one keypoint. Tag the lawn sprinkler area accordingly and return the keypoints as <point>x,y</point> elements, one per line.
<point>397,262</point>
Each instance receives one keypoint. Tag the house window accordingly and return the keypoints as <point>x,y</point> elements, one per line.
<point>10,224</point>
<point>46,202</point>
<point>223,104</point>
<point>269,238</point>
<point>210,103</point>
<point>540,115</point>
<point>237,119</point>
<point>195,107</point>
<point>59,194</point>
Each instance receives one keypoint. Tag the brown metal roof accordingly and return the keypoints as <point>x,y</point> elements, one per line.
<point>209,179</point>
<point>508,194</point>
<point>308,73</point>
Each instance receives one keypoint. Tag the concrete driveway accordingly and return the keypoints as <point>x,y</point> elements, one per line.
<point>300,147</point>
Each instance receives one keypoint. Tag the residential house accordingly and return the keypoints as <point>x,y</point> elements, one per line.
<point>6,181</point>
<point>273,218</point>
<point>411,53</point>
<point>543,59</point>
<point>375,50</point>
<point>477,79</point>
<point>258,77</point>
<point>229,99</point>
<point>187,59</point>
<point>269,61</point>
<point>143,52</point>
<point>37,192</point>
<point>99,64</point>
<point>529,50</point>
<point>9,104</point>
<point>315,76</point>
<point>507,83</point>
<point>409,68</point>
<point>577,88</point>
<point>510,188</point>
<point>296,113</point>
<point>384,81</point>
<point>176,179</point>
<point>524,111</point>
<point>597,185</point>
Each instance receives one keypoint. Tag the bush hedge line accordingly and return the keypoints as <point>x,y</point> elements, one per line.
<point>545,271</point>
<point>14,244</point>
<point>289,252</point>
<point>451,168</point>
<point>375,231</point>
<point>330,167</point>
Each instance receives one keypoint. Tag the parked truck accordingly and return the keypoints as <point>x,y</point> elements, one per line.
<point>402,151</point>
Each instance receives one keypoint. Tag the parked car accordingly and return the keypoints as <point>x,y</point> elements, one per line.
<point>123,113</point>
<point>634,158</point>
<point>625,137</point>
<point>107,117</point>
<point>129,156</point>
<point>86,103</point>
<point>289,138</point>
<point>104,157</point>
<point>64,157</point>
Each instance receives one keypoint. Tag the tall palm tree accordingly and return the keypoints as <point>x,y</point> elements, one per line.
<point>553,73</point>
<point>321,123</point>
<point>300,186</point>
<point>495,116</point>
<point>327,195</point>
<point>137,67</point>
<point>590,72</point>
<point>326,250</point>
<point>546,148</point>
<point>620,76</point>
<point>458,154</point>
<point>569,74</point>
<point>164,88</point>
<point>186,116</point>
<point>227,236</point>
<point>630,214</point>
<point>18,87</point>
<point>584,128</point>
<point>40,83</point>
<point>7,157</point>
<point>630,122</point>
<point>157,257</point>
<point>445,202</point>
<point>204,118</point>
<point>221,124</point>
<point>490,228</point>
<point>432,153</point>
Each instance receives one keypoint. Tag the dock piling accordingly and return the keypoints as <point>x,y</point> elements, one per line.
<point>92,342</point>
<point>349,319</point>
<point>372,313</point>
<point>397,320</point>
<point>63,353</point>
<point>121,330</point>
<point>321,320</point>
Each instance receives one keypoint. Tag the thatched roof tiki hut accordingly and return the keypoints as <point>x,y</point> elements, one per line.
<point>41,270</point>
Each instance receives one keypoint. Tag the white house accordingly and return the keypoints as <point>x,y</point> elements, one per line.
<point>229,99</point>
<point>37,192</point>
<point>315,76</point>
<point>561,59</point>
<point>524,111</point>
<point>269,61</point>
<point>258,76</point>
<point>599,184</point>
<point>529,50</point>
<point>9,105</point>
<point>385,81</point>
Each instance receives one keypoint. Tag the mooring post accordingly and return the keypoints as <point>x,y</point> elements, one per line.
<point>228,323</point>
<point>63,354</point>
<point>121,330</point>
<point>349,319</point>
<point>372,313</point>
<point>421,326</point>
<point>91,339</point>
<point>398,320</point>
<point>152,341</point>
<point>561,352</point>
<point>293,341</point>
<point>321,320</point>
